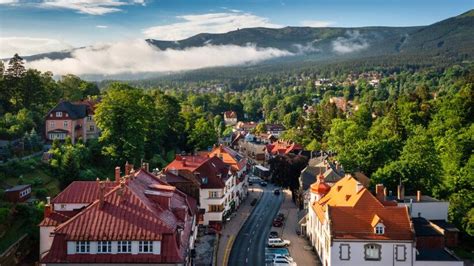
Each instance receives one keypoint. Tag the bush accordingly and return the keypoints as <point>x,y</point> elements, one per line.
<point>41,193</point>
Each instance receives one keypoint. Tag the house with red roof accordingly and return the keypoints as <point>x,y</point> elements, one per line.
<point>210,180</point>
<point>348,225</point>
<point>239,167</point>
<point>137,219</point>
<point>282,147</point>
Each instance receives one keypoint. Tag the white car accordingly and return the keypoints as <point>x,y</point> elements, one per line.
<point>281,256</point>
<point>278,242</point>
<point>283,262</point>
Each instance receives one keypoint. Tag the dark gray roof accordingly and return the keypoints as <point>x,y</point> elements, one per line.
<point>445,225</point>
<point>17,188</point>
<point>75,111</point>
<point>435,255</point>
<point>424,228</point>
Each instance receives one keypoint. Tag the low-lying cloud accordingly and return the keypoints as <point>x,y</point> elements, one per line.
<point>90,7</point>
<point>190,25</point>
<point>138,56</point>
<point>354,42</point>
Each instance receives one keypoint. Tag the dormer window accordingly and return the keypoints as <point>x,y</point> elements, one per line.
<point>59,114</point>
<point>379,229</point>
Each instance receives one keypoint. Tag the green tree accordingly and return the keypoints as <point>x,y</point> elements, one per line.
<point>203,135</point>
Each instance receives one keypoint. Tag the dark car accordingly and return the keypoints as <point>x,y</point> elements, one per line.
<point>281,215</point>
<point>277,223</point>
<point>276,192</point>
<point>273,234</point>
<point>279,218</point>
<point>263,184</point>
<point>254,201</point>
<point>250,183</point>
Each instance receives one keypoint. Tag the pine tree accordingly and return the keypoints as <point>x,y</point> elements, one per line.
<point>16,67</point>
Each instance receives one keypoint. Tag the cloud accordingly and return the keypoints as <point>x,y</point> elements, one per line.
<point>29,46</point>
<point>102,26</point>
<point>7,2</point>
<point>317,23</point>
<point>191,25</point>
<point>137,56</point>
<point>91,7</point>
<point>354,42</point>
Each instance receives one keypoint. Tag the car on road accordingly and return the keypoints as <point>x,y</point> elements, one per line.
<point>276,192</point>
<point>278,242</point>
<point>277,223</point>
<point>263,183</point>
<point>273,234</point>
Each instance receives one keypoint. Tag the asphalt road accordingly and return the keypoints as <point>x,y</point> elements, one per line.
<point>249,245</point>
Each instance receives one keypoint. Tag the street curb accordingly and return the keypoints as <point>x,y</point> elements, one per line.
<point>214,254</point>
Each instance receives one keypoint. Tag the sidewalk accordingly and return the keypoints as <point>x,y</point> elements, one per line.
<point>232,228</point>
<point>299,249</point>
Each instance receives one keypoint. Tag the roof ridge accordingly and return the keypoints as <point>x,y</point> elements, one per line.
<point>59,227</point>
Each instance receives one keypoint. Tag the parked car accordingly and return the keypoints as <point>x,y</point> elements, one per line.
<point>276,192</point>
<point>254,201</point>
<point>273,234</point>
<point>282,256</point>
<point>263,183</point>
<point>278,242</point>
<point>250,183</point>
<point>277,223</point>
<point>279,219</point>
<point>283,262</point>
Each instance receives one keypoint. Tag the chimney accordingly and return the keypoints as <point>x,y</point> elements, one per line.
<point>385,193</point>
<point>146,167</point>
<point>128,168</point>
<point>184,161</point>
<point>400,192</point>
<point>117,174</point>
<point>48,209</point>
<point>418,195</point>
<point>101,193</point>
<point>120,190</point>
<point>379,192</point>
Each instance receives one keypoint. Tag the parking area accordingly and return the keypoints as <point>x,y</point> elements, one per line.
<point>299,249</point>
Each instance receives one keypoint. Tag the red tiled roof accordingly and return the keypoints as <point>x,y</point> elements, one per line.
<point>352,209</point>
<point>81,192</point>
<point>281,147</point>
<point>206,167</point>
<point>230,157</point>
<point>129,212</point>
<point>54,219</point>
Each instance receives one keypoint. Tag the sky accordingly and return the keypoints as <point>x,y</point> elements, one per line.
<point>35,26</point>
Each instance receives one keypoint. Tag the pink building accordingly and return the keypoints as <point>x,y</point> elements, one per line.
<point>75,120</point>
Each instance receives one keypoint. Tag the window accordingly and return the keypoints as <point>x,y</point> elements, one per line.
<point>91,128</point>
<point>83,247</point>
<point>59,114</point>
<point>213,194</point>
<point>89,118</point>
<point>124,246</point>
<point>216,208</point>
<point>400,252</point>
<point>379,229</point>
<point>204,180</point>
<point>51,124</point>
<point>104,246</point>
<point>372,252</point>
<point>66,123</point>
<point>145,247</point>
<point>344,252</point>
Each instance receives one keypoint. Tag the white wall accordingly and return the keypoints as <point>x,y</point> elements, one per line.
<point>437,210</point>
<point>212,216</point>
<point>357,253</point>
<point>46,240</point>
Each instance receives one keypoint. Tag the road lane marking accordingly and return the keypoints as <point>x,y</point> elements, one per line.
<point>228,247</point>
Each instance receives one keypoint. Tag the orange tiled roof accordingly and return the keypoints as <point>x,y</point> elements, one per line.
<point>230,157</point>
<point>352,210</point>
